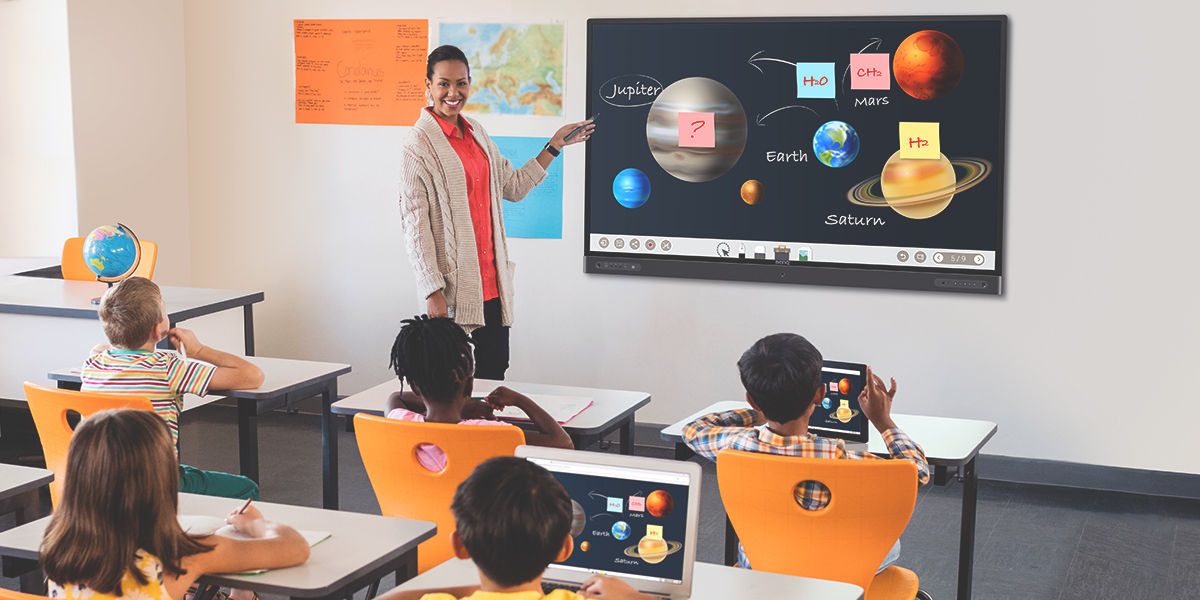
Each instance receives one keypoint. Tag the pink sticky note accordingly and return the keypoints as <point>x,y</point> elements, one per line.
<point>637,503</point>
<point>697,130</point>
<point>870,72</point>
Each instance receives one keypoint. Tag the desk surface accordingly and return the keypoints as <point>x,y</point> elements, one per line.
<point>607,406</point>
<point>360,544</point>
<point>62,298</point>
<point>708,581</point>
<point>946,441</point>
<point>15,479</point>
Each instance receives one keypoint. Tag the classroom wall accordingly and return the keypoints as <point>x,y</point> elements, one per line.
<point>37,162</point>
<point>130,104</point>
<point>1089,349</point>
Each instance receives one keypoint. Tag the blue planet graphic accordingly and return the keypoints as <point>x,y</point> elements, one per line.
<point>620,530</point>
<point>631,188</point>
<point>836,144</point>
<point>825,404</point>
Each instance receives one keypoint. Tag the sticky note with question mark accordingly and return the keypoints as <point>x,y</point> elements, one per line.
<point>697,130</point>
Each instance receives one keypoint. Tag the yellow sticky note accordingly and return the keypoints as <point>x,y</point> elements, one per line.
<point>654,531</point>
<point>920,140</point>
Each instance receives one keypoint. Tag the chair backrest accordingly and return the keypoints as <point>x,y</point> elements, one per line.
<point>408,490</point>
<point>49,408</point>
<point>870,504</point>
<point>75,268</point>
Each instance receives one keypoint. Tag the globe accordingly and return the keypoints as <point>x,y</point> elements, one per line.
<point>112,252</point>
<point>836,144</point>
<point>631,188</point>
<point>620,530</point>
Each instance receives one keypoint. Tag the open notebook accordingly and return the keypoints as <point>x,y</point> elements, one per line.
<point>561,408</point>
<point>209,525</point>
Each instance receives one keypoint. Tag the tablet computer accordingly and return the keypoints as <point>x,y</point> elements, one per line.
<point>838,415</point>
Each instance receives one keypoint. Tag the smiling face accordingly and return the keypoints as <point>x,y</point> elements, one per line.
<point>449,88</point>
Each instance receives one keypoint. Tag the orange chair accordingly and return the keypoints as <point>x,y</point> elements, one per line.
<point>75,268</point>
<point>870,504</point>
<point>408,490</point>
<point>49,408</point>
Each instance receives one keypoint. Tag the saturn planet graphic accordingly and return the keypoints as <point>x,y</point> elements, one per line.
<point>919,188</point>
<point>653,549</point>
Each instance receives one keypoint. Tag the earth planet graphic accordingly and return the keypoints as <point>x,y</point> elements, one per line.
<point>919,188</point>
<point>752,192</point>
<point>631,188</point>
<point>928,65</point>
<point>836,144</point>
<point>620,530</point>
<point>696,94</point>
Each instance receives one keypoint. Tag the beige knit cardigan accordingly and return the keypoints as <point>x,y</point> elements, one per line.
<point>438,233</point>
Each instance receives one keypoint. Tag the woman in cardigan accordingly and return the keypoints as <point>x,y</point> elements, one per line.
<point>452,180</point>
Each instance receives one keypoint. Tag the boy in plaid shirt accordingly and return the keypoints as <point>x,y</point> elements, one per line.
<point>782,377</point>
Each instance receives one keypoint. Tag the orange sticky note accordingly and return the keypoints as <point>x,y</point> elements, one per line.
<point>654,531</point>
<point>920,140</point>
<point>360,71</point>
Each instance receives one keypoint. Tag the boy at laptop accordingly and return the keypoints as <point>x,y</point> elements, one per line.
<point>513,519</point>
<point>134,319</point>
<point>782,377</point>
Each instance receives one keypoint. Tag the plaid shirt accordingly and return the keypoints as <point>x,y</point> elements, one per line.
<point>735,429</point>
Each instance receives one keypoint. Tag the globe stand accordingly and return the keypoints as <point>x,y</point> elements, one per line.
<point>137,260</point>
<point>96,300</point>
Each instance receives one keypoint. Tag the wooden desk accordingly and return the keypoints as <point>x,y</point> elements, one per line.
<point>709,581</point>
<point>363,548</point>
<point>610,410</point>
<point>947,443</point>
<point>284,380</point>
<point>19,494</point>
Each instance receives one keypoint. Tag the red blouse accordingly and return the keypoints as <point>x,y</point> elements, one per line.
<point>479,197</point>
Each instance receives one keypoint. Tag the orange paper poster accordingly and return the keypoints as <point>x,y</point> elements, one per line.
<point>360,71</point>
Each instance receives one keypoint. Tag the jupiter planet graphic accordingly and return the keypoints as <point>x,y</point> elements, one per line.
<point>696,95</point>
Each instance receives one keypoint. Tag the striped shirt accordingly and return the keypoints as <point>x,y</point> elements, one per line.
<point>735,429</point>
<point>160,375</point>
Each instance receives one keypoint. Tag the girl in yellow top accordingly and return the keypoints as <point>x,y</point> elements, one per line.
<point>115,533</point>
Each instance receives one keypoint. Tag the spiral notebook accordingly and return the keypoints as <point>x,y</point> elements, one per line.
<point>209,525</point>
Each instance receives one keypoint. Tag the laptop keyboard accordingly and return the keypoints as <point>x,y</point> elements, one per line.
<point>549,586</point>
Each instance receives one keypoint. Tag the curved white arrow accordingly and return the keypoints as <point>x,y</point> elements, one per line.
<point>761,118</point>
<point>753,59</point>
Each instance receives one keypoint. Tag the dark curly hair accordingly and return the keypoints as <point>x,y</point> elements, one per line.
<point>435,356</point>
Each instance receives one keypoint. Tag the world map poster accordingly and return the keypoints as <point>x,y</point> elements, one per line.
<point>516,69</point>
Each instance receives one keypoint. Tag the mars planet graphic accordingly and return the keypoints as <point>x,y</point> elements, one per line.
<point>653,549</point>
<point>844,386</point>
<point>659,503</point>
<point>702,95</point>
<point>752,192</point>
<point>928,65</point>
<point>578,519</point>
<point>919,188</point>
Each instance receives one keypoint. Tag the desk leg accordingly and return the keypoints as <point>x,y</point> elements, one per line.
<point>407,569</point>
<point>248,437</point>
<point>731,544</point>
<point>28,507</point>
<point>248,328</point>
<point>329,448</point>
<point>966,540</point>
<point>682,452</point>
<point>627,436</point>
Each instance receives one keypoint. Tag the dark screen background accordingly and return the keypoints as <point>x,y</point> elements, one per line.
<point>797,197</point>
<point>821,415</point>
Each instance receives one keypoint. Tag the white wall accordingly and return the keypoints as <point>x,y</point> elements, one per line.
<point>37,163</point>
<point>1091,344</point>
<point>128,82</point>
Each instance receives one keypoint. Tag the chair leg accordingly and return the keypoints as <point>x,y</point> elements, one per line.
<point>923,595</point>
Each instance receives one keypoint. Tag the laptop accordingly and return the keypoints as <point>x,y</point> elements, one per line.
<point>839,415</point>
<point>635,518</point>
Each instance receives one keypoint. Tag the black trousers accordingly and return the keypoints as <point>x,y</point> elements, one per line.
<point>491,343</point>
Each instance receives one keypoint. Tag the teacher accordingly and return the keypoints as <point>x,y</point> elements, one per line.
<point>452,180</point>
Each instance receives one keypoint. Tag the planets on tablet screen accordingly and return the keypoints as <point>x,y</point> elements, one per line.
<point>631,188</point>
<point>653,549</point>
<point>928,65</point>
<point>703,95</point>
<point>844,413</point>
<point>919,188</point>
<point>825,403</point>
<point>660,503</point>
<point>752,192</point>
<point>844,386</point>
<point>620,530</point>
<point>578,518</point>
<point>585,546</point>
<point>836,144</point>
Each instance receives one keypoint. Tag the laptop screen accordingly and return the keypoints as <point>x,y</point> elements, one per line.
<point>627,522</point>
<point>839,414</point>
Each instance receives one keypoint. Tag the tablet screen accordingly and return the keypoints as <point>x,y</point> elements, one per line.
<point>838,415</point>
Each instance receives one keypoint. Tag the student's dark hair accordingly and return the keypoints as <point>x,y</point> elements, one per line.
<point>512,516</point>
<point>435,356</point>
<point>781,372</point>
<point>445,53</point>
<point>120,493</point>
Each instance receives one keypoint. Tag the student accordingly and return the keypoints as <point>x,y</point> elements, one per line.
<point>782,377</point>
<point>513,519</point>
<point>134,319</point>
<point>434,357</point>
<point>115,533</point>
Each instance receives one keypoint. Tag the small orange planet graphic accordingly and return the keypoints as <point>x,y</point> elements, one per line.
<point>585,546</point>
<point>844,386</point>
<point>928,65</point>
<point>653,549</point>
<point>659,503</point>
<point>752,192</point>
<point>919,188</point>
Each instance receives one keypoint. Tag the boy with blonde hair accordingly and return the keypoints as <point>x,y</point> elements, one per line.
<point>134,319</point>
